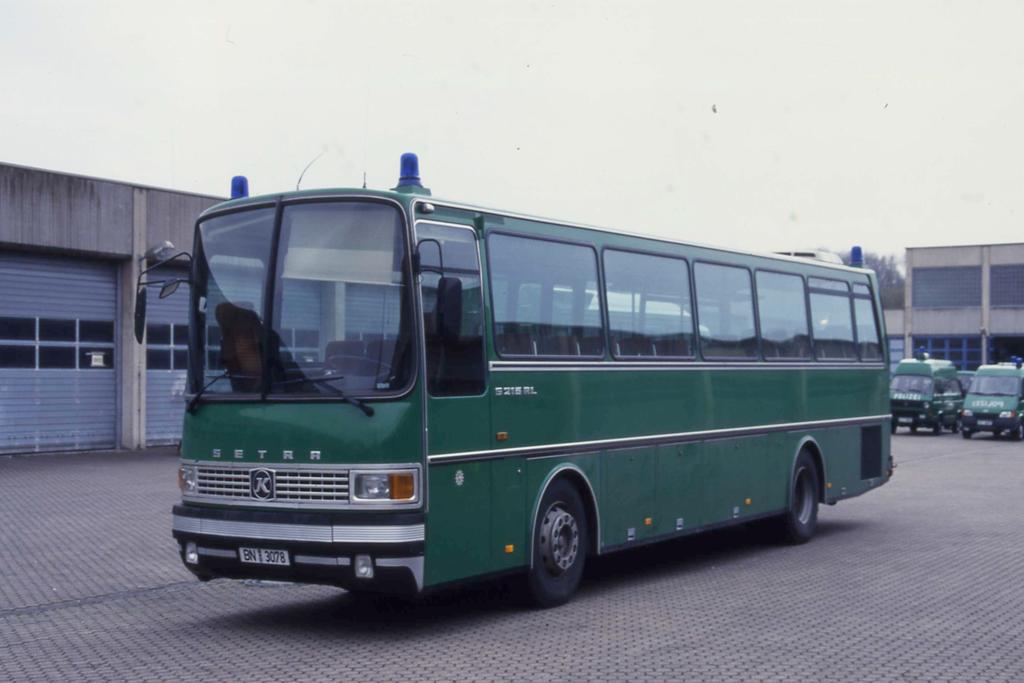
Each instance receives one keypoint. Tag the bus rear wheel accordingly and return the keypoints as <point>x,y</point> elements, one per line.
<point>801,520</point>
<point>560,542</point>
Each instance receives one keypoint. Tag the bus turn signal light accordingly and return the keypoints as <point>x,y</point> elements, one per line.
<point>509,549</point>
<point>402,487</point>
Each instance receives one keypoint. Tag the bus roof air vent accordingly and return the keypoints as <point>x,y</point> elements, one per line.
<point>816,254</point>
<point>409,176</point>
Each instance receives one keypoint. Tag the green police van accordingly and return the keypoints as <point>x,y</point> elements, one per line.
<point>995,403</point>
<point>925,392</point>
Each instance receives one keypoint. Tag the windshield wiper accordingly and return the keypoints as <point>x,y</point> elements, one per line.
<point>194,401</point>
<point>324,380</point>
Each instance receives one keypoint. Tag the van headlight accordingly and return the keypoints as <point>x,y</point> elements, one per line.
<point>385,486</point>
<point>188,479</point>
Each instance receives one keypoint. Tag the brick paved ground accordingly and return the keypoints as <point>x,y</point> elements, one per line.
<point>921,580</point>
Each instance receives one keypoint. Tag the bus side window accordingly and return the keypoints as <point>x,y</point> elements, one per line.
<point>832,320</point>
<point>725,311</point>
<point>649,308</point>
<point>455,357</point>
<point>782,311</point>
<point>867,328</point>
<point>551,305</point>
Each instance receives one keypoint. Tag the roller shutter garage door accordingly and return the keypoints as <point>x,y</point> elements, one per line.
<point>57,327</point>
<point>166,362</point>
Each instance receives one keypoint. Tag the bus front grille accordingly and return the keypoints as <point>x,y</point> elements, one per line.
<point>297,486</point>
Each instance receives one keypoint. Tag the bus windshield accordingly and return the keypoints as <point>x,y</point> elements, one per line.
<point>915,383</point>
<point>994,386</point>
<point>340,313</point>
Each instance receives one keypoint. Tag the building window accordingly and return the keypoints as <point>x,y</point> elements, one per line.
<point>56,343</point>
<point>946,287</point>
<point>964,352</point>
<point>1006,285</point>
<point>167,346</point>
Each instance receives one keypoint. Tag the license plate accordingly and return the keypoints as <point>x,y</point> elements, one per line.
<point>984,423</point>
<point>905,420</point>
<point>263,556</point>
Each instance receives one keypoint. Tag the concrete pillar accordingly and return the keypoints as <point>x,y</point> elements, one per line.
<point>986,300</point>
<point>132,392</point>
<point>908,307</point>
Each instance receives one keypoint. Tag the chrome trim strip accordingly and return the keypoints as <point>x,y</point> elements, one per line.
<point>306,533</point>
<point>697,435</point>
<point>217,552</point>
<point>631,366</point>
<point>323,561</point>
<point>378,534</point>
<point>413,564</point>
<point>654,238</point>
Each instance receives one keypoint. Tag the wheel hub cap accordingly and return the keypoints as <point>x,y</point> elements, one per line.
<point>559,539</point>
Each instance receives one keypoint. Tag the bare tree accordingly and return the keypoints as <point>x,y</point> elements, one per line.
<point>889,269</point>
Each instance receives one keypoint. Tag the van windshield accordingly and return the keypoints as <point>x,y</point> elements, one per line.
<point>994,386</point>
<point>916,383</point>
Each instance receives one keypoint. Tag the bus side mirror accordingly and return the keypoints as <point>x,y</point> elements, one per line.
<point>449,308</point>
<point>170,287</point>
<point>140,313</point>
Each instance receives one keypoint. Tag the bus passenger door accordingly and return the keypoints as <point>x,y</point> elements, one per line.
<point>458,408</point>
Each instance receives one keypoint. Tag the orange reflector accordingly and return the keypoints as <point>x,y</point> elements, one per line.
<point>748,501</point>
<point>501,436</point>
<point>828,485</point>
<point>509,549</point>
<point>648,521</point>
<point>401,485</point>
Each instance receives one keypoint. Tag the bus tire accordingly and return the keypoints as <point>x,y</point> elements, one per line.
<point>560,542</point>
<point>1017,433</point>
<point>801,519</point>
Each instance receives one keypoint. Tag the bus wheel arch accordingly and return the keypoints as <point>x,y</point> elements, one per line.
<point>578,479</point>
<point>814,450</point>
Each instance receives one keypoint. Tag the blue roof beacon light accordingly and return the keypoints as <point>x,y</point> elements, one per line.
<point>239,187</point>
<point>409,176</point>
<point>856,257</point>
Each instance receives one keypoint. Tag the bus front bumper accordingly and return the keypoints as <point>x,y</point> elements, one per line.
<point>383,556</point>
<point>989,423</point>
<point>915,418</point>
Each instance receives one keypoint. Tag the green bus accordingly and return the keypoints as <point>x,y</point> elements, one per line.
<point>392,393</point>
<point>995,402</point>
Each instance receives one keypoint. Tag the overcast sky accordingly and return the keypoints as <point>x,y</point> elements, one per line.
<point>766,125</point>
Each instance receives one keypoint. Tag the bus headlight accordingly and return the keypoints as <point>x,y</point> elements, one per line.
<point>187,478</point>
<point>1008,413</point>
<point>397,486</point>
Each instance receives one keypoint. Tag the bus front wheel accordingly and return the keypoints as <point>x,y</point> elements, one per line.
<point>801,520</point>
<point>560,542</point>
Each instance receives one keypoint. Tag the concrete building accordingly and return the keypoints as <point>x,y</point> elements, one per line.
<point>964,304</point>
<point>71,375</point>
